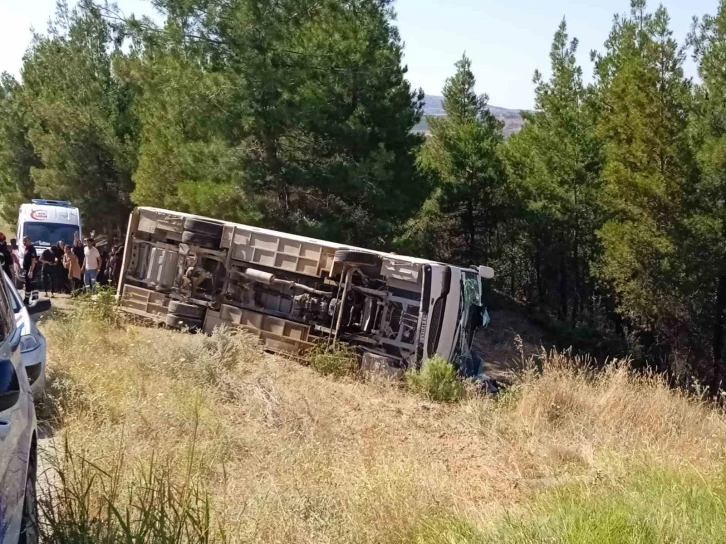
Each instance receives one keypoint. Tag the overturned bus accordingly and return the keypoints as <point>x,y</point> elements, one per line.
<point>293,292</point>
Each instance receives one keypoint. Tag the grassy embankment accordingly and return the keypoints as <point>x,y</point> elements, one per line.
<point>181,438</point>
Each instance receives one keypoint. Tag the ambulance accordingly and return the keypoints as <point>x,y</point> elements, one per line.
<point>47,222</point>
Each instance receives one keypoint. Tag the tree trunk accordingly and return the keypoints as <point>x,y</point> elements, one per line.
<point>718,334</point>
<point>576,304</point>
<point>472,229</point>
<point>563,287</point>
<point>538,272</point>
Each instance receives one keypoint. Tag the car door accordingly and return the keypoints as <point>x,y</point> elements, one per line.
<point>16,423</point>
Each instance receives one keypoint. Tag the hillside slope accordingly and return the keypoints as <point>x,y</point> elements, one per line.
<point>433,107</point>
<point>287,455</point>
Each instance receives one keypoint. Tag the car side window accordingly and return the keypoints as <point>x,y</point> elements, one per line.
<point>7,317</point>
<point>15,303</point>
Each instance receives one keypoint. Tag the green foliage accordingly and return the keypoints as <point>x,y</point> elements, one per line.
<point>263,112</point>
<point>459,220</point>
<point>647,168</point>
<point>553,166</point>
<point>437,381</point>
<point>639,508</point>
<point>705,222</point>
<point>279,114</point>
<point>102,306</point>
<point>337,361</point>
<point>78,118</point>
<point>17,156</point>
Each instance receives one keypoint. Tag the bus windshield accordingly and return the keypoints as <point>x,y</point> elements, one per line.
<point>470,310</point>
<point>47,234</point>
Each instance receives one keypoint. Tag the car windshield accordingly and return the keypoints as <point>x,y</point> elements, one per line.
<point>46,234</point>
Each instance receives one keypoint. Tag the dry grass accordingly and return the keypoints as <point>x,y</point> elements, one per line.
<point>288,455</point>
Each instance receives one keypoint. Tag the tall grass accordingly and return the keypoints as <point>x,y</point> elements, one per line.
<point>80,503</point>
<point>169,437</point>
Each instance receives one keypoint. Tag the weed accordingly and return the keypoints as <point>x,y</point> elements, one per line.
<point>102,306</point>
<point>82,503</point>
<point>437,381</point>
<point>338,361</point>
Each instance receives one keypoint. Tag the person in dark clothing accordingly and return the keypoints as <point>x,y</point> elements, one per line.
<point>102,274</point>
<point>115,260</point>
<point>6,256</point>
<point>47,259</point>
<point>60,277</point>
<point>30,258</point>
<point>78,251</point>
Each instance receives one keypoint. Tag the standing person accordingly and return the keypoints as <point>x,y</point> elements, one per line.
<point>78,250</point>
<point>102,277</point>
<point>91,265</point>
<point>16,257</point>
<point>59,274</point>
<point>70,263</point>
<point>47,259</point>
<point>5,256</point>
<point>30,258</point>
<point>115,261</point>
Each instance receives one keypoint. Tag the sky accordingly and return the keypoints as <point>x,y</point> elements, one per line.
<point>506,40</point>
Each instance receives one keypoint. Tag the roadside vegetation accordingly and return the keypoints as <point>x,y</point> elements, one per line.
<point>436,380</point>
<point>171,437</point>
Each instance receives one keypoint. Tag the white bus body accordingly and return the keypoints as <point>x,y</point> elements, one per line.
<point>293,291</point>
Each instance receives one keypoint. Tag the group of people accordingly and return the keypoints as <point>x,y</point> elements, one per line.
<point>9,256</point>
<point>63,268</point>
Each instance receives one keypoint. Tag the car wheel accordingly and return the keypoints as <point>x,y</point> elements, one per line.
<point>29,531</point>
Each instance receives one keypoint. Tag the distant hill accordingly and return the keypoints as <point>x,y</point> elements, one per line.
<point>434,107</point>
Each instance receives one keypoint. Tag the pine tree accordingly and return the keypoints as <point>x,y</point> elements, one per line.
<point>78,118</point>
<point>312,115</point>
<point>706,219</point>
<point>187,159</point>
<point>17,156</point>
<point>461,155</point>
<point>553,164</point>
<point>642,120</point>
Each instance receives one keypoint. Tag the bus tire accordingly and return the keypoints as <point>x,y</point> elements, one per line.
<point>369,263</point>
<point>183,322</point>
<point>201,240</point>
<point>207,228</point>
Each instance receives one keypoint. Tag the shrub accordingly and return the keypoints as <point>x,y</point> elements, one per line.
<point>340,360</point>
<point>103,307</point>
<point>212,360</point>
<point>436,381</point>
